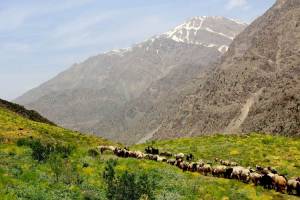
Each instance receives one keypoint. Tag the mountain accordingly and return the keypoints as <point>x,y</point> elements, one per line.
<point>109,94</point>
<point>256,87</point>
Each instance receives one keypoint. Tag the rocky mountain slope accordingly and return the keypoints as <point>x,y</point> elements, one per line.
<point>255,88</point>
<point>112,93</point>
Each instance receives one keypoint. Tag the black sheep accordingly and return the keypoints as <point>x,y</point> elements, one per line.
<point>228,172</point>
<point>267,181</point>
<point>189,157</point>
<point>151,150</point>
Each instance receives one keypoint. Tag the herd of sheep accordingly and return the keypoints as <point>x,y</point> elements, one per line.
<point>267,177</point>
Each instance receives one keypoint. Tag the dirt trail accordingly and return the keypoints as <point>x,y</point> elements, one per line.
<point>148,136</point>
<point>235,124</point>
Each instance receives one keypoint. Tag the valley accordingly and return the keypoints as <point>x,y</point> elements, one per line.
<point>22,177</point>
<point>209,109</point>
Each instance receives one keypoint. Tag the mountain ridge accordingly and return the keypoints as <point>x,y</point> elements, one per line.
<point>20,110</point>
<point>93,96</point>
<point>265,56</point>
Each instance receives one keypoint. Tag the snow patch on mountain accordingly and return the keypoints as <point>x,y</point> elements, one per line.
<point>215,32</point>
<point>194,31</point>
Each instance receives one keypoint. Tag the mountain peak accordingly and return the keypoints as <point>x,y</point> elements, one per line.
<point>110,93</point>
<point>207,31</point>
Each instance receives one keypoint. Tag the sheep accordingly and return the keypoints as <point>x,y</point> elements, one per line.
<point>119,152</point>
<point>205,169</point>
<point>148,150</point>
<point>106,148</point>
<point>138,154</point>
<point>228,172</point>
<point>225,162</point>
<point>267,181</point>
<point>171,161</point>
<point>152,157</point>
<point>293,186</point>
<point>236,172</point>
<point>131,154</point>
<point>183,165</point>
<point>245,175</point>
<point>233,164</point>
<point>192,167</point>
<point>161,159</point>
<point>151,150</point>
<point>200,163</point>
<point>179,156</point>
<point>255,178</point>
<point>259,168</point>
<point>167,154</point>
<point>280,183</point>
<point>189,157</point>
<point>240,173</point>
<point>272,170</point>
<point>177,162</point>
<point>219,171</point>
<point>148,156</point>
<point>126,153</point>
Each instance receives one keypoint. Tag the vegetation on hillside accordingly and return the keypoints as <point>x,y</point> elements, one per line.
<point>29,114</point>
<point>282,153</point>
<point>39,161</point>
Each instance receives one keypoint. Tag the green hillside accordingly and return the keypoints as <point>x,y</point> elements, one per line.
<point>282,153</point>
<point>20,110</point>
<point>77,174</point>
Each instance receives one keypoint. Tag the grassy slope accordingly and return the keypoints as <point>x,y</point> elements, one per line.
<point>20,110</point>
<point>283,153</point>
<point>23,178</point>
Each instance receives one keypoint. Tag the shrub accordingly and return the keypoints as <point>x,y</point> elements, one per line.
<point>24,142</point>
<point>65,151</point>
<point>128,185</point>
<point>42,151</point>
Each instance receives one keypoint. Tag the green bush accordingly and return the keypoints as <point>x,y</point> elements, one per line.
<point>65,151</point>
<point>24,141</point>
<point>42,151</point>
<point>128,185</point>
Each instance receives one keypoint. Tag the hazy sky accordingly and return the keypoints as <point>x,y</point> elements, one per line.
<point>39,39</point>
